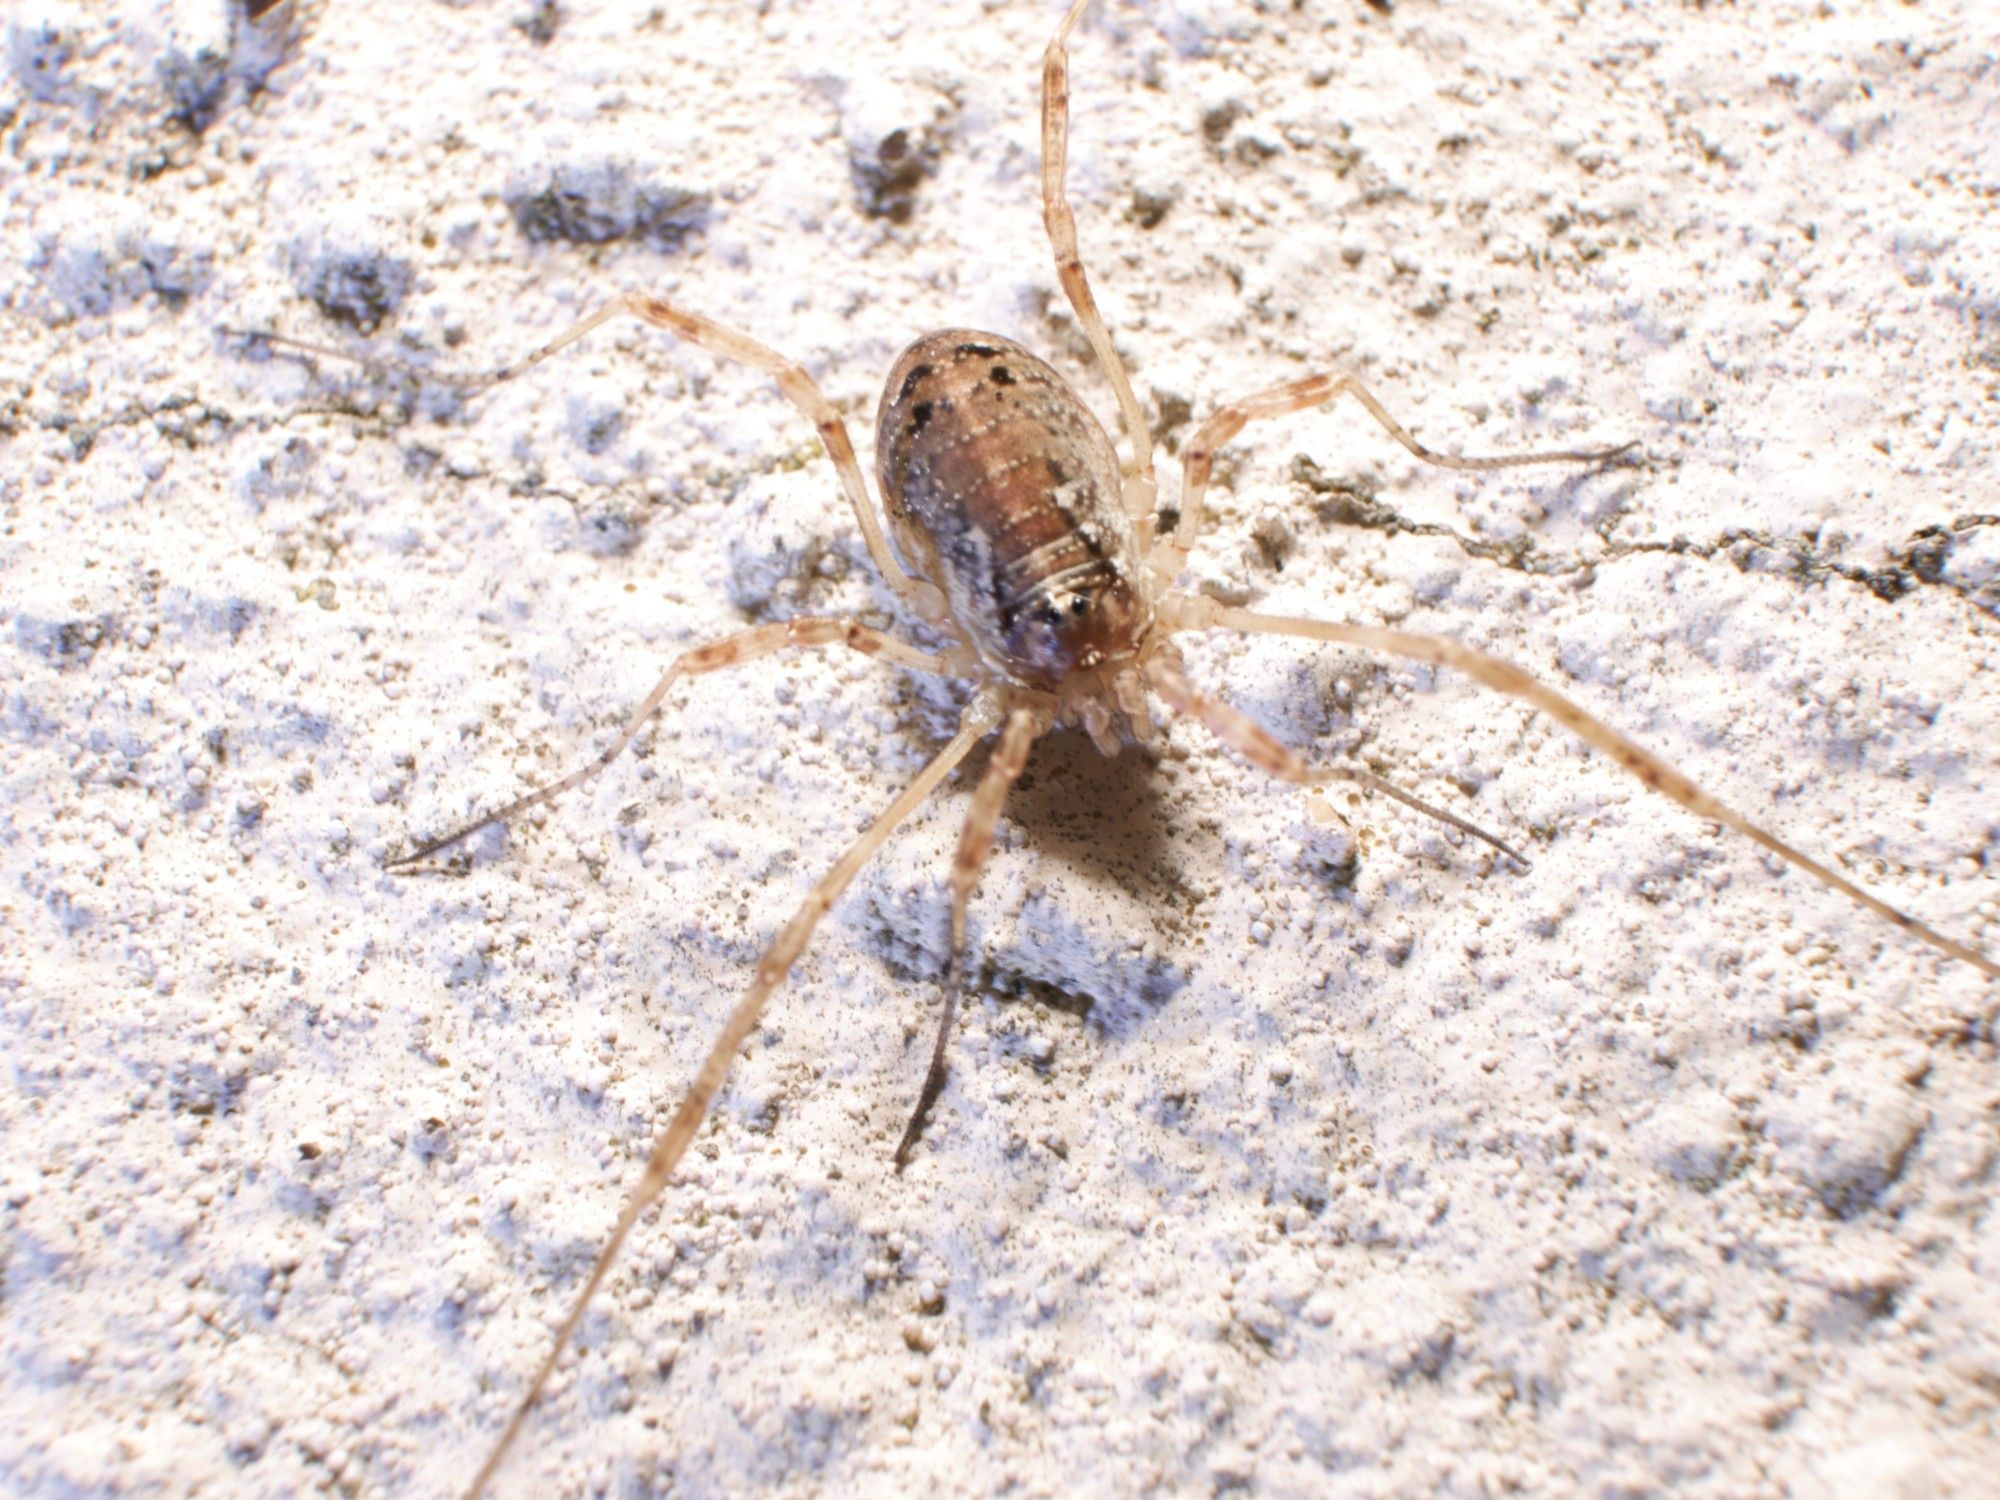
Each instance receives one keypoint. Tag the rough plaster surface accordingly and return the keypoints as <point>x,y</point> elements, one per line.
<point>1278,1156</point>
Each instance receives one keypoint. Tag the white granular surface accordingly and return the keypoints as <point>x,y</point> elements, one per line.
<point>1276,1156</point>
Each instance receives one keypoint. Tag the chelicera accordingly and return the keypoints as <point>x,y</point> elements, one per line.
<point>1022,540</point>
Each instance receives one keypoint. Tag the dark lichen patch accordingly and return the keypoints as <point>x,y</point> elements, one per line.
<point>194,82</point>
<point>215,56</point>
<point>596,202</point>
<point>113,262</point>
<point>887,179</point>
<point>895,136</point>
<point>541,23</point>
<point>64,643</point>
<point>611,527</point>
<point>1174,412</point>
<point>357,287</point>
<point>41,50</point>
<point>1215,122</point>
<point>1147,209</point>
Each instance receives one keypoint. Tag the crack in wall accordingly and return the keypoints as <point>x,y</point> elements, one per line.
<point>1920,561</point>
<point>189,420</point>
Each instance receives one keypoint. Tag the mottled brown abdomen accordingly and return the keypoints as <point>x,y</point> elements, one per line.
<point>1005,492</point>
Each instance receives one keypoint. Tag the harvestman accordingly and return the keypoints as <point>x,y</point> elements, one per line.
<point>1037,552</point>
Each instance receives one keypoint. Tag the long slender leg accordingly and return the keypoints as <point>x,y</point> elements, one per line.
<point>730,651</point>
<point>979,718</point>
<point>798,388</point>
<point>1061,225</point>
<point>726,343</point>
<point>1297,395</point>
<point>1257,745</point>
<point>974,844</point>
<point>1192,612</point>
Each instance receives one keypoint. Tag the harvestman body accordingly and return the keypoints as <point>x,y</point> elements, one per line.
<point>1036,552</point>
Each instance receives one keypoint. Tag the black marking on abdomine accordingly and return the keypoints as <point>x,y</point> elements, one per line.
<point>1001,375</point>
<point>978,351</point>
<point>917,373</point>
<point>923,411</point>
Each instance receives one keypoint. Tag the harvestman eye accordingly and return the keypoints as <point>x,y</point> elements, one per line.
<point>1007,499</point>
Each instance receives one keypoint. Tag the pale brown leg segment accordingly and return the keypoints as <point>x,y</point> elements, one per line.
<point>1061,225</point>
<point>727,344</point>
<point>974,844</point>
<point>730,651</point>
<point>979,718</point>
<point>1257,745</point>
<point>1297,395</point>
<point>799,389</point>
<point>1189,612</point>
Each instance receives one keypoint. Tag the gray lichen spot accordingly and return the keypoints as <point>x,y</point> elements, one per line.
<point>279,471</point>
<point>227,616</point>
<point>1846,1137</point>
<point>358,289</point>
<point>269,30</point>
<point>610,527</point>
<point>70,916</point>
<point>42,41</point>
<point>595,201</point>
<point>782,557</point>
<point>211,49</point>
<point>895,134</point>
<point>194,82</point>
<point>350,270</point>
<point>596,417</point>
<point>299,726</point>
<point>63,642</point>
<point>95,254</point>
<point>1148,207</point>
<point>541,23</point>
<point>192,68</point>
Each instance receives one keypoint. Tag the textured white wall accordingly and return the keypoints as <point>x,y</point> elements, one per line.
<point>1373,1168</point>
